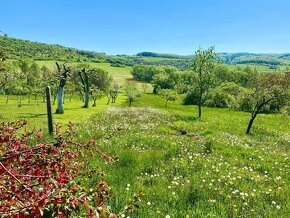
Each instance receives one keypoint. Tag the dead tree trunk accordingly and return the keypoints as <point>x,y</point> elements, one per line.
<point>85,82</point>
<point>60,91</point>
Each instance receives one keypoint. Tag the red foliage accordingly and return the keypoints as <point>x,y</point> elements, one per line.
<point>39,179</point>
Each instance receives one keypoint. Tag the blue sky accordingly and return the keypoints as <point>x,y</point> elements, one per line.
<point>165,26</point>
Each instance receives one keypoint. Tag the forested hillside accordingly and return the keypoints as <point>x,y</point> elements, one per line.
<point>232,58</point>
<point>41,51</point>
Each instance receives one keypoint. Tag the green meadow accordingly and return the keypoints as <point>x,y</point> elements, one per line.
<point>184,166</point>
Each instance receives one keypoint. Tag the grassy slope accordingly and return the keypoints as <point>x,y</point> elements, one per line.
<point>120,74</point>
<point>219,171</point>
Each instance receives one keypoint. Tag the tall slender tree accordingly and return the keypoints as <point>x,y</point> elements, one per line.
<point>203,68</point>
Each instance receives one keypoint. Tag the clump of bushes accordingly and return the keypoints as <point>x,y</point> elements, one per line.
<point>234,96</point>
<point>40,178</point>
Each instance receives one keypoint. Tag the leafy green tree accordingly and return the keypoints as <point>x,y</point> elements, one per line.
<point>100,78</point>
<point>226,95</point>
<point>184,83</point>
<point>34,81</point>
<point>24,67</point>
<point>144,72</point>
<point>20,89</point>
<point>45,73</point>
<point>267,88</point>
<point>74,83</point>
<point>203,67</point>
<point>114,90</point>
<point>167,78</point>
<point>132,93</point>
<point>168,95</point>
<point>34,75</point>
<point>224,74</point>
<point>96,93</point>
<point>6,75</point>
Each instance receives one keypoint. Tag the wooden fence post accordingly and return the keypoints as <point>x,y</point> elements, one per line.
<point>49,110</point>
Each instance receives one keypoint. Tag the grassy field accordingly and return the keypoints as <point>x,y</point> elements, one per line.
<point>120,74</point>
<point>214,170</point>
<point>36,113</point>
<point>185,166</point>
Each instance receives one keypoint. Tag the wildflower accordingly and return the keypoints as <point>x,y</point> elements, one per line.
<point>212,200</point>
<point>167,216</point>
<point>278,207</point>
<point>148,203</point>
<point>274,202</point>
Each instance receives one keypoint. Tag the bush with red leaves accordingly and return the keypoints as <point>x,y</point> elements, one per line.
<point>38,179</point>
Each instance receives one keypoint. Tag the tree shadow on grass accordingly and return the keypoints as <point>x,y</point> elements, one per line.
<point>31,115</point>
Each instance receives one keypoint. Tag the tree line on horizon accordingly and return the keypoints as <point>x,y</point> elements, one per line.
<point>26,49</point>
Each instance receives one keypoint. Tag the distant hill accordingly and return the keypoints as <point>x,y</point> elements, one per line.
<point>40,51</point>
<point>234,58</point>
<point>251,58</point>
<point>157,55</point>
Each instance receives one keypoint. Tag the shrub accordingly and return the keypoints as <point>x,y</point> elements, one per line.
<point>227,95</point>
<point>168,95</point>
<point>39,178</point>
<point>220,99</point>
<point>190,98</point>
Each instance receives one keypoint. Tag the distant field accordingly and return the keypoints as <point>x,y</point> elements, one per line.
<point>120,74</point>
<point>156,59</point>
<point>260,68</point>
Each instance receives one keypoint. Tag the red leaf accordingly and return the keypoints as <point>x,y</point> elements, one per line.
<point>36,171</point>
<point>57,200</point>
<point>14,172</point>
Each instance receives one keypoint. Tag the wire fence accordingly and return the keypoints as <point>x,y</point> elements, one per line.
<point>28,107</point>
